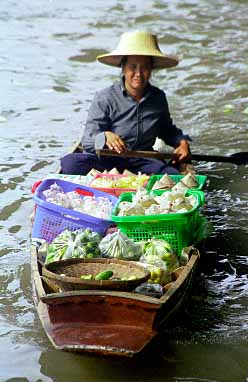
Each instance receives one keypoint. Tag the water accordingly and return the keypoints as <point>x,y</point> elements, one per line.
<point>48,76</point>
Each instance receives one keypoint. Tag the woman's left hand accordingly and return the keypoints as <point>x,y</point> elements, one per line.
<point>182,152</point>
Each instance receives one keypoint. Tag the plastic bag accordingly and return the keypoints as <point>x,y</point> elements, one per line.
<point>202,229</point>
<point>117,245</point>
<point>160,259</point>
<point>158,249</point>
<point>159,274</point>
<point>79,243</point>
<point>152,290</point>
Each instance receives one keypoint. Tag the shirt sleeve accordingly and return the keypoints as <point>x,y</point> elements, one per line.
<point>169,133</point>
<point>97,123</point>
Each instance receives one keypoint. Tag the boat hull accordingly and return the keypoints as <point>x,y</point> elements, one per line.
<point>106,322</point>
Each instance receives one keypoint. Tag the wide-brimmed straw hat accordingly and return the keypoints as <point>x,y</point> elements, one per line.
<point>138,43</point>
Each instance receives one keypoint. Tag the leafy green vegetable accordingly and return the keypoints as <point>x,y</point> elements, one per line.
<point>79,243</point>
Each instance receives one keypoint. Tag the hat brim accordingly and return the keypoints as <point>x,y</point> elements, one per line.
<point>159,61</point>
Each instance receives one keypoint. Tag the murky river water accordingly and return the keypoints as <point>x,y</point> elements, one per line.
<point>48,76</point>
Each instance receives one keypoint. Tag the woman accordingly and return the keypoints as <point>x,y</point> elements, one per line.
<point>130,114</point>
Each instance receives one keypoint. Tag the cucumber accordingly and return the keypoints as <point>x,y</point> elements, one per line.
<point>105,275</point>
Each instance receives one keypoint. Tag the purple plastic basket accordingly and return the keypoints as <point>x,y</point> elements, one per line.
<point>51,219</point>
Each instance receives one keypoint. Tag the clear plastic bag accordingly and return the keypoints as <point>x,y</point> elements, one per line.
<point>160,259</point>
<point>158,271</point>
<point>79,243</point>
<point>117,245</point>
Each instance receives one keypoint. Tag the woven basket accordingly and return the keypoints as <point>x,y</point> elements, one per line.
<point>66,274</point>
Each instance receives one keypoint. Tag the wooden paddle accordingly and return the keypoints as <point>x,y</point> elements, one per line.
<point>237,158</point>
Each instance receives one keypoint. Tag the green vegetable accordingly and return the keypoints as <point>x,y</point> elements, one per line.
<point>157,247</point>
<point>86,277</point>
<point>90,256</point>
<point>105,275</point>
<point>80,243</point>
<point>160,259</point>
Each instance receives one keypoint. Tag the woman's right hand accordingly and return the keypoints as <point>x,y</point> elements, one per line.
<point>114,142</point>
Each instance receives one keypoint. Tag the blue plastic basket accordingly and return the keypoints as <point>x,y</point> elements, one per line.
<point>51,219</point>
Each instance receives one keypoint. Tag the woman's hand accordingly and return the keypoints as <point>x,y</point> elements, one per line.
<point>182,152</point>
<point>114,142</point>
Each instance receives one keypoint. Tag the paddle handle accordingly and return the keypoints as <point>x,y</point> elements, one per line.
<point>238,158</point>
<point>136,154</point>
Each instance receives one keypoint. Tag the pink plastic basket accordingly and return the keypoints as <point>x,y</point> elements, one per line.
<point>51,219</point>
<point>114,191</point>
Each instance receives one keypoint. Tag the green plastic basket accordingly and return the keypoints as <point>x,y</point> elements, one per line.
<point>176,228</point>
<point>201,179</point>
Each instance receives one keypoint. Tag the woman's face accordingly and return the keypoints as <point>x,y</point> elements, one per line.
<point>137,71</point>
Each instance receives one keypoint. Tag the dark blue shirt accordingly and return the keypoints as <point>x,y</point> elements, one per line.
<point>138,124</point>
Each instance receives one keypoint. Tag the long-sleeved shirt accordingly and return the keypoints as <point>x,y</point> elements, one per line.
<point>138,124</point>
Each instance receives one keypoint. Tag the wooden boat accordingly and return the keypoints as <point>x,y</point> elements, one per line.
<point>107,322</point>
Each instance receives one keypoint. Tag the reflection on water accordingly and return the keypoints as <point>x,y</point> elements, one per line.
<point>48,77</point>
<point>89,55</point>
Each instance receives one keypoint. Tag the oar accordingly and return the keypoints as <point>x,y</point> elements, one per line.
<point>237,158</point>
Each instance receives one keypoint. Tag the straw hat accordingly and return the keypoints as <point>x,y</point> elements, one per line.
<point>138,43</point>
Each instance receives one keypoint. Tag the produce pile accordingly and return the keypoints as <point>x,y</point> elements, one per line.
<point>145,203</point>
<point>118,246</point>
<point>95,206</point>
<point>106,275</point>
<point>132,182</point>
<point>160,259</point>
<point>79,243</point>
<point>83,180</point>
<point>114,171</point>
<point>155,255</point>
<point>167,183</point>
